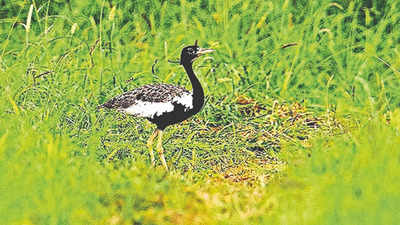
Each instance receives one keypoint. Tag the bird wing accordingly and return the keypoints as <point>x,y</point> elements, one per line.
<point>151,100</point>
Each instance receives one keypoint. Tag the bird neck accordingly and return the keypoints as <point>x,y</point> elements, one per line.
<point>198,93</point>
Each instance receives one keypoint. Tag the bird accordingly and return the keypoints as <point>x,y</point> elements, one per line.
<point>164,104</point>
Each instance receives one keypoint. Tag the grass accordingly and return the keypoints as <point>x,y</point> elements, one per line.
<point>301,124</point>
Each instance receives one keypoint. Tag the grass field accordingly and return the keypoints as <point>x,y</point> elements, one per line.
<point>301,123</point>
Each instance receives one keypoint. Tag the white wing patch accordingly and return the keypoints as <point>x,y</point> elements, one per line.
<point>151,109</point>
<point>185,100</point>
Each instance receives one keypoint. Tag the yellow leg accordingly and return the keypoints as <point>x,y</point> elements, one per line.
<point>150,146</point>
<point>160,149</point>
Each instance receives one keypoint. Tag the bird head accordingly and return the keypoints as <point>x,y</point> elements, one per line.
<point>191,53</point>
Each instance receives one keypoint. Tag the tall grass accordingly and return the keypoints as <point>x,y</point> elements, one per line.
<point>301,124</point>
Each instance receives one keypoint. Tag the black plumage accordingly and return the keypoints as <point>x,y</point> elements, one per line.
<point>164,104</point>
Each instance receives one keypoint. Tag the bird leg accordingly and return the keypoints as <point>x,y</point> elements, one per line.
<point>160,149</point>
<point>150,146</point>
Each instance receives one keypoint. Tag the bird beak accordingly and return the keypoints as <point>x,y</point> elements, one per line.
<point>203,51</point>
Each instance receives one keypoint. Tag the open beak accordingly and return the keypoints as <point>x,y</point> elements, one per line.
<point>203,51</point>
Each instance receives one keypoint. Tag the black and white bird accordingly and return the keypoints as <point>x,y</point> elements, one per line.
<point>164,104</point>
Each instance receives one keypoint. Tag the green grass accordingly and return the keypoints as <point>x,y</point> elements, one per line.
<point>305,134</point>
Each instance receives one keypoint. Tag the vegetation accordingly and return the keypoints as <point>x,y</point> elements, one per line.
<point>301,124</point>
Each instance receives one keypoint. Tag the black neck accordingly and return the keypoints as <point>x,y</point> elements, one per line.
<point>198,93</point>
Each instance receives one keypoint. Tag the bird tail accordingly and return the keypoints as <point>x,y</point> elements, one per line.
<point>108,105</point>
<point>102,106</point>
